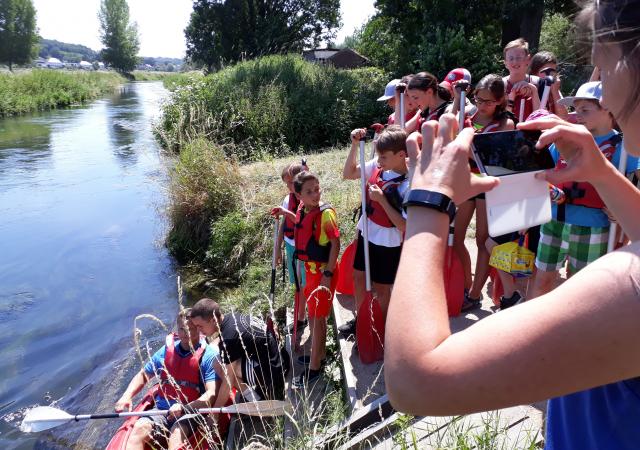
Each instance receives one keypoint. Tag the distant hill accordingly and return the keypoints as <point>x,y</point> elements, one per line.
<point>66,52</point>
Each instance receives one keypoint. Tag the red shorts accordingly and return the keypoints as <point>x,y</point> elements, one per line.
<point>319,302</point>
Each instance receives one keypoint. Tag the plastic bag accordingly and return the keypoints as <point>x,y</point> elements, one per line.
<point>513,258</point>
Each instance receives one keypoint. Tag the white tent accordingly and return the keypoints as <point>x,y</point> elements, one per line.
<point>86,65</point>
<point>54,63</point>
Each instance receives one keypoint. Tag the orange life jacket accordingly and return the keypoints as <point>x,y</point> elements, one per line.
<point>307,235</point>
<point>375,211</point>
<point>181,379</point>
<point>583,193</point>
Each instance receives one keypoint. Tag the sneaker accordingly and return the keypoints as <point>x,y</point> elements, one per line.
<point>305,360</point>
<point>348,327</point>
<point>510,301</point>
<point>470,303</point>
<point>301,325</point>
<point>307,377</point>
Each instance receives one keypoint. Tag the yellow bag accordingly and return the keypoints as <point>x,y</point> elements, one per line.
<point>513,258</point>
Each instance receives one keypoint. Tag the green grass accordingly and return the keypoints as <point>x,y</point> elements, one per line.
<point>39,90</point>
<point>148,75</point>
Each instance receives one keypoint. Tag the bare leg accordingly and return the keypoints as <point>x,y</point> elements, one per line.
<point>302,302</point>
<point>140,435</point>
<point>383,294</point>
<point>482,261</point>
<point>463,218</point>
<point>179,436</point>
<point>318,341</point>
<point>543,283</point>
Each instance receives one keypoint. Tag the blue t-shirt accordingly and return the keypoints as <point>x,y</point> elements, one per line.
<point>156,365</point>
<point>582,215</point>
<point>605,417</point>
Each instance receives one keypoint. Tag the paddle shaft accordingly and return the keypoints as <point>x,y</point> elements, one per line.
<point>276,230</point>
<point>402,116</point>
<point>462,110</point>
<point>365,228</point>
<point>79,417</point>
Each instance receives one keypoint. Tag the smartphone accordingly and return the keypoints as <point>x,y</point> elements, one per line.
<point>510,152</point>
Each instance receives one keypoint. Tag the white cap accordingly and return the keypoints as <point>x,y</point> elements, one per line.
<point>389,90</point>
<point>588,91</point>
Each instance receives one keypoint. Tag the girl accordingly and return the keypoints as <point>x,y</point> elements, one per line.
<point>545,64</point>
<point>429,97</point>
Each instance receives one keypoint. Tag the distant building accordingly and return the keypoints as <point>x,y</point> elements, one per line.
<point>85,65</point>
<point>54,63</point>
<point>345,58</point>
<point>40,62</point>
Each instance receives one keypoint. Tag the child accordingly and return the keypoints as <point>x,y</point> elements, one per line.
<point>579,229</point>
<point>410,108</point>
<point>317,243</point>
<point>519,84</point>
<point>430,97</point>
<point>545,64</point>
<point>291,202</point>
<point>387,179</point>
<point>491,115</point>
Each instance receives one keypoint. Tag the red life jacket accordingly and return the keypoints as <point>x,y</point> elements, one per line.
<point>289,224</point>
<point>427,115</point>
<point>375,211</point>
<point>181,379</point>
<point>582,193</point>
<point>307,235</point>
<point>528,102</point>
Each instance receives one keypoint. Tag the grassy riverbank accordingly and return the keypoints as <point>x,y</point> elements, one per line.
<point>40,90</point>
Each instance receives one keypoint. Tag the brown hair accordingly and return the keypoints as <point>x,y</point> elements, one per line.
<point>494,84</point>
<point>617,22</point>
<point>425,81</point>
<point>183,314</point>
<point>205,308</point>
<point>300,179</point>
<point>539,60</point>
<point>291,170</point>
<point>392,139</point>
<point>518,43</point>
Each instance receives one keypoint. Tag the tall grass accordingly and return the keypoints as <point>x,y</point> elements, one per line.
<point>273,106</point>
<point>39,90</point>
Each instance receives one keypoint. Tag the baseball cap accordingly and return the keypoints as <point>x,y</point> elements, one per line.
<point>389,90</point>
<point>456,75</point>
<point>588,91</point>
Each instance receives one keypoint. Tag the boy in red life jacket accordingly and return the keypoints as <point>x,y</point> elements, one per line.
<point>388,181</point>
<point>520,85</point>
<point>579,230</point>
<point>317,241</point>
<point>287,229</point>
<point>184,366</point>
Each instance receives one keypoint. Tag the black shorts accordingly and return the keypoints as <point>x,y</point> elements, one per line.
<point>384,261</point>
<point>504,238</point>
<point>533,237</point>
<point>266,380</point>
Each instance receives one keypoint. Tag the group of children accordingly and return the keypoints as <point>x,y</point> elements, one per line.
<point>578,232</point>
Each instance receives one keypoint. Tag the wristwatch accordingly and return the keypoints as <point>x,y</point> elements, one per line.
<point>430,199</point>
<point>327,273</point>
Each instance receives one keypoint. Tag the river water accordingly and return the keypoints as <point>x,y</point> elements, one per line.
<point>82,193</point>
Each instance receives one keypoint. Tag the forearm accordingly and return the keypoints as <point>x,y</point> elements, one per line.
<point>135,385</point>
<point>393,214</point>
<point>417,321</point>
<point>351,169</point>
<point>622,199</point>
<point>333,255</point>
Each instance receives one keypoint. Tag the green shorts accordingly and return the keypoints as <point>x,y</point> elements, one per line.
<point>289,249</point>
<point>581,245</point>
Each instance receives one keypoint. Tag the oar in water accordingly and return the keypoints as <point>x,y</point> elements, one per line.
<point>43,418</point>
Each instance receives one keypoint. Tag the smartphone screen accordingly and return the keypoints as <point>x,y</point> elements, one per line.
<point>510,152</point>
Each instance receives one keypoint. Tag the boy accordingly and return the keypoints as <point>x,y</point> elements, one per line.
<point>291,203</point>
<point>520,85</point>
<point>317,242</point>
<point>579,229</point>
<point>184,366</point>
<point>387,179</point>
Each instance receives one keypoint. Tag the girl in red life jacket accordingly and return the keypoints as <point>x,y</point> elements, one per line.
<point>519,84</point>
<point>490,99</point>
<point>431,98</point>
<point>545,64</point>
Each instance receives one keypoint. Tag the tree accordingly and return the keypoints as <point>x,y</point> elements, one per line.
<point>18,33</point>
<point>119,37</point>
<point>226,31</point>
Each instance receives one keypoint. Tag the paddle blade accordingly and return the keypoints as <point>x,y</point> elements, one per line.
<point>453,282</point>
<point>345,282</point>
<point>43,418</point>
<point>370,330</point>
<point>262,408</point>
<point>497,289</point>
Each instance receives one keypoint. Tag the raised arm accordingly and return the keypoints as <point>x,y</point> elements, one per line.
<point>351,169</point>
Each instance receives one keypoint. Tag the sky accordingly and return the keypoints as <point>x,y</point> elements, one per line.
<point>161,23</point>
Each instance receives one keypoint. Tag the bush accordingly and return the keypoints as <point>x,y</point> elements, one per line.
<point>275,105</point>
<point>205,185</point>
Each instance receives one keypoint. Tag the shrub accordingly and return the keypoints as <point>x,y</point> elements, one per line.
<point>275,105</point>
<point>204,186</point>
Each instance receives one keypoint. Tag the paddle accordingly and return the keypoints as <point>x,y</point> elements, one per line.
<point>548,82</point>
<point>272,290</point>
<point>453,278</point>
<point>345,281</point>
<point>462,87</point>
<point>401,89</point>
<point>370,323</point>
<point>43,418</point>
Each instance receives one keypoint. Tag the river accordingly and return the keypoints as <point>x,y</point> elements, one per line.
<point>82,194</point>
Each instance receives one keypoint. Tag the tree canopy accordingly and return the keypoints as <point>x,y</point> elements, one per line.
<point>18,33</point>
<point>225,31</point>
<point>119,37</point>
